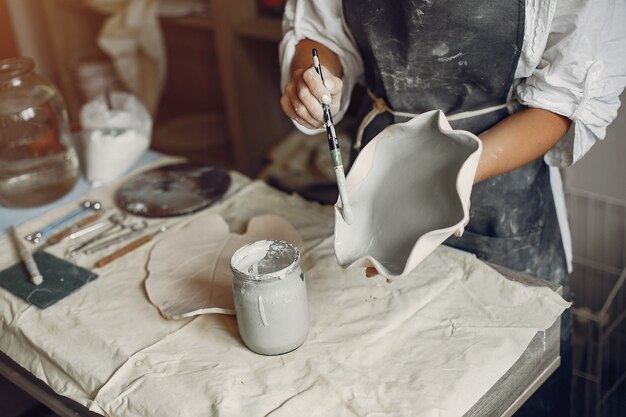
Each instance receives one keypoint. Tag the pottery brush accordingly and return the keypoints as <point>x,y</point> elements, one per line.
<point>335,153</point>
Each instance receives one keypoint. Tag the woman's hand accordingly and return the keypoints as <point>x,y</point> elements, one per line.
<point>370,272</point>
<point>305,91</point>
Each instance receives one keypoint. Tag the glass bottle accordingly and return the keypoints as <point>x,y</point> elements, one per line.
<point>38,161</point>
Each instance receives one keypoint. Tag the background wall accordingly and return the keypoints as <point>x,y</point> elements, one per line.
<point>29,28</point>
<point>8,48</point>
<point>596,202</point>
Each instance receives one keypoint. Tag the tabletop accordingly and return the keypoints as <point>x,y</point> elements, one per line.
<point>448,339</point>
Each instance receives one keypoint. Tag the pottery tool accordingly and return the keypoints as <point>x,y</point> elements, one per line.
<point>128,248</point>
<point>112,241</point>
<point>68,231</point>
<point>62,279</point>
<point>89,229</point>
<point>116,223</point>
<point>27,259</point>
<point>107,96</point>
<point>39,235</point>
<point>335,153</point>
<point>108,100</point>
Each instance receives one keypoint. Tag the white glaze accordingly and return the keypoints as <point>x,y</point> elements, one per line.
<point>346,212</point>
<point>262,312</point>
<point>409,190</point>
<point>270,297</point>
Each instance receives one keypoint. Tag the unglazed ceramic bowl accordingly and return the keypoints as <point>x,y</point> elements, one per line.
<point>409,190</point>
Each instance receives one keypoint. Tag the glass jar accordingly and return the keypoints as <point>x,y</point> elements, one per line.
<point>269,292</point>
<point>38,161</point>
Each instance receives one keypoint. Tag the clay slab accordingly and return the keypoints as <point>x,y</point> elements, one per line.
<point>189,272</point>
<point>409,190</point>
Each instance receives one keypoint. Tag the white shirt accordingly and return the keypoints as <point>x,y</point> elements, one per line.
<point>573,63</point>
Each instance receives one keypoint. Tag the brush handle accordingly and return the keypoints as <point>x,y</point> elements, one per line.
<point>128,248</point>
<point>333,143</point>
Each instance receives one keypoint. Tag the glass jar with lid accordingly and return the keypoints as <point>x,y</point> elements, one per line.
<point>38,161</point>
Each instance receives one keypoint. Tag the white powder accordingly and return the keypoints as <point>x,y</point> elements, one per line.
<point>107,157</point>
<point>113,140</point>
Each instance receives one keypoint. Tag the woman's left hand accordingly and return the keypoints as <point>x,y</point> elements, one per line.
<point>371,272</point>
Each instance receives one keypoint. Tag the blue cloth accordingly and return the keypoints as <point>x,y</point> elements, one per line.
<point>15,216</point>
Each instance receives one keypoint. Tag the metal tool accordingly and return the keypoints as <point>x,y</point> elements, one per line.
<point>65,233</point>
<point>118,223</point>
<point>128,248</point>
<point>110,242</point>
<point>85,206</point>
<point>88,229</point>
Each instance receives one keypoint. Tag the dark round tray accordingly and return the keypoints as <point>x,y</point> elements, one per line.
<point>172,190</point>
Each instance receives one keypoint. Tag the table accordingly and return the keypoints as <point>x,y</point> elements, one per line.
<point>134,362</point>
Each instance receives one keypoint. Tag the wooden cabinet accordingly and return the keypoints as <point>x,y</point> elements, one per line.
<point>220,101</point>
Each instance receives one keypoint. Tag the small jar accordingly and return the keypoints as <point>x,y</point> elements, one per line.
<point>38,162</point>
<point>270,297</point>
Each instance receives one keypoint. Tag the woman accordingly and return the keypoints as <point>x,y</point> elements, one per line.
<point>541,78</point>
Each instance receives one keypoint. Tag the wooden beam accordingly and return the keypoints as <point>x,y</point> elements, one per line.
<point>8,47</point>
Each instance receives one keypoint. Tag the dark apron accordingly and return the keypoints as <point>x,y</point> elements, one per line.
<point>455,56</point>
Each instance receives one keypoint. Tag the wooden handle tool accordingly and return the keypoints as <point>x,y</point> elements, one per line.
<point>128,248</point>
<point>56,238</point>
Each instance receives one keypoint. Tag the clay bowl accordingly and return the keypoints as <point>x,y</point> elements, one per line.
<point>409,190</point>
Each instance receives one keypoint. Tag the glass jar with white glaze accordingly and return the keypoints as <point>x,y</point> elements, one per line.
<point>269,292</point>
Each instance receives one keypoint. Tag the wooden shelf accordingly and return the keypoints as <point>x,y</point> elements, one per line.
<point>222,61</point>
<point>193,22</point>
<point>261,27</point>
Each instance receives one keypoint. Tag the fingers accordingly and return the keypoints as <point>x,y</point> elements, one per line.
<point>295,109</point>
<point>288,108</point>
<point>310,102</point>
<point>370,272</point>
<point>305,91</point>
<point>316,87</point>
<point>329,91</point>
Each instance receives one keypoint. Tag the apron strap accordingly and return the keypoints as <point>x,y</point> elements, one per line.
<point>379,106</point>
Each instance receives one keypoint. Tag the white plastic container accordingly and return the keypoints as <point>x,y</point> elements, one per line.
<point>113,139</point>
<point>269,292</point>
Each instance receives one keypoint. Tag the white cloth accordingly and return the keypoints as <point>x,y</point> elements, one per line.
<point>430,344</point>
<point>132,37</point>
<point>573,61</point>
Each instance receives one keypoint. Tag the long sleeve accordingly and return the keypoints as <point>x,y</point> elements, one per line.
<point>581,72</point>
<point>321,21</point>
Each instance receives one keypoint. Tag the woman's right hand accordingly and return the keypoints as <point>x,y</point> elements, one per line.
<point>304,93</point>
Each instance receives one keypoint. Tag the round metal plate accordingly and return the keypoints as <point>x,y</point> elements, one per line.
<point>172,190</point>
